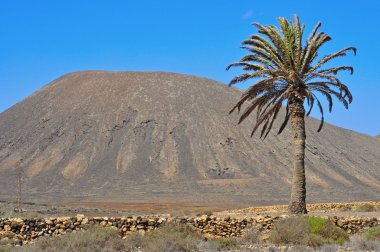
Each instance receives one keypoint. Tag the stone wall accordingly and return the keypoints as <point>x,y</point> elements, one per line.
<point>355,224</point>
<point>25,230</point>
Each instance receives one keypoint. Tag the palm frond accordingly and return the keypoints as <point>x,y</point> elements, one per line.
<point>335,70</point>
<point>287,68</point>
<point>329,57</point>
<point>246,76</point>
<point>321,111</point>
<point>287,116</point>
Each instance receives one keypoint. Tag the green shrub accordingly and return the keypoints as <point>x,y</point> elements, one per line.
<point>327,230</point>
<point>316,224</point>
<point>310,231</point>
<point>372,234</point>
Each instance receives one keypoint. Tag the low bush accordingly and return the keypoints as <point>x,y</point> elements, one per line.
<point>252,236</point>
<point>201,211</point>
<point>224,244</point>
<point>7,210</point>
<point>358,242</point>
<point>345,208</point>
<point>292,230</point>
<point>94,239</point>
<point>171,238</point>
<point>134,241</point>
<point>327,230</point>
<point>310,231</point>
<point>366,208</point>
<point>372,234</point>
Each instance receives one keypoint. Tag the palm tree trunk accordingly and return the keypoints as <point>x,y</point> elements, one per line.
<point>297,203</point>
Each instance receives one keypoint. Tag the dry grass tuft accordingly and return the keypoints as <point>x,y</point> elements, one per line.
<point>367,208</point>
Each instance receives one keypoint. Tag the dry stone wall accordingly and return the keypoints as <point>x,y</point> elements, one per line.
<point>355,224</point>
<point>22,231</point>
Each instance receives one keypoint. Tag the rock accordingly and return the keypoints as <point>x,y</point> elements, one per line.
<point>14,224</point>
<point>18,220</point>
<point>139,227</point>
<point>85,221</point>
<point>18,242</point>
<point>264,237</point>
<point>80,217</point>
<point>340,223</point>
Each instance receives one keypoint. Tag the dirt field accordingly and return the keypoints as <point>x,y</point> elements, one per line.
<point>97,208</point>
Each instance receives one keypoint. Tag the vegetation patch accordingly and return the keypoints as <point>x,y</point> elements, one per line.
<point>95,238</point>
<point>171,238</point>
<point>310,231</point>
<point>224,244</point>
<point>344,208</point>
<point>367,208</point>
<point>373,234</point>
<point>324,228</point>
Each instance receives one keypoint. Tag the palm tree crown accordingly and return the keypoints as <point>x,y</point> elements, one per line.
<point>288,72</point>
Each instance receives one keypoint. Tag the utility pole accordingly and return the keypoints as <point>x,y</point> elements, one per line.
<point>19,183</point>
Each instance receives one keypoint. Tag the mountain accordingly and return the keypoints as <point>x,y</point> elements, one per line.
<point>166,137</point>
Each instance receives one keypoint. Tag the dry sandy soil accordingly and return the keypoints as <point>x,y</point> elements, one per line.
<point>178,209</point>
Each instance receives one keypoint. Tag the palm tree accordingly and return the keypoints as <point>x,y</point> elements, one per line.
<point>290,74</point>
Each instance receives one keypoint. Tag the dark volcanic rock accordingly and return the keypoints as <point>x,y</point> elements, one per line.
<point>154,136</point>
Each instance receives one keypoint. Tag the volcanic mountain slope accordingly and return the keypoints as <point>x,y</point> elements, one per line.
<point>160,137</point>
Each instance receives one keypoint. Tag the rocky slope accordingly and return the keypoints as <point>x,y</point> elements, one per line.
<point>165,137</point>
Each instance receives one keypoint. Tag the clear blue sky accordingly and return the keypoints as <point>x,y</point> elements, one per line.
<point>41,40</point>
